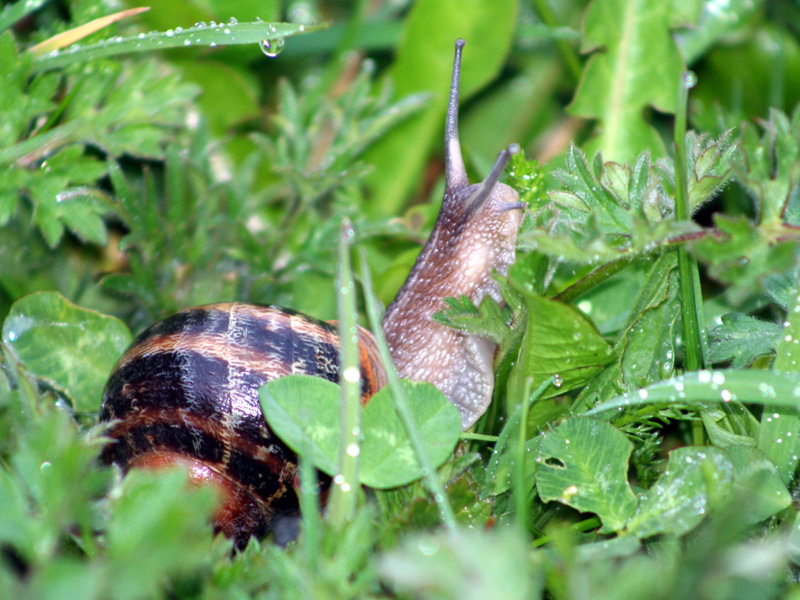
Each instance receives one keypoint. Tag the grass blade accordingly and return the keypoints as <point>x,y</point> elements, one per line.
<point>779,430</point>
<point>67,38</point>
<point>215,34</point>
<point>346,482</point>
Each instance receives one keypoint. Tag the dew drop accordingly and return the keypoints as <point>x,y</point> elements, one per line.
<point>351,374</point>
<point>689,79</point>
<point>428,546</point>
<point>353,450</point>
<point>558,381</point>
<point>271,48</point>
<point>170,33</point>
<point>46,467</point>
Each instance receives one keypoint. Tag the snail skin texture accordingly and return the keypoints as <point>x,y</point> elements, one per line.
<point>186,391</point>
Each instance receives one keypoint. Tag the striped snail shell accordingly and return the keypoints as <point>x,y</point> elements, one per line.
<point>186,391</point>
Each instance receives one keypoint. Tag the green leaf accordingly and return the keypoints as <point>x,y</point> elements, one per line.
<point>743,254</point>
<point>71,348</point>
<point>218,34</point>
<point>635,64</point>
<point>696,480</point>
<point>740,339</point>
<point>779,432</point>
<point>559,340</point>
<point>464,564</point>
<point>487,321</point>
<point>387,457</point>
<point>645,348</point>
<point>757,483</point>
<point>56,466</point>
<point>772,163</point>
<point>162,521</point>
<point>605,210</point>
<point>304,412</point>
<point>584,463</point>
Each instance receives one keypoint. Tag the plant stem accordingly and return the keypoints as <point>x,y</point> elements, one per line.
<point>581,526</point>
<point>594,278</point>
<point>346,482</point>
<point>519,487</point>
<point>694,335</point>
<point>401,402</point>
<point>480,437</point>
<point>309,508</point>
<point>695,340</point>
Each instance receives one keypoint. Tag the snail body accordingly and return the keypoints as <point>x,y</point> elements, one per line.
<point>186,391</point>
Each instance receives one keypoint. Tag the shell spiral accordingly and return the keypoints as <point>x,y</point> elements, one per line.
<point>186,392</point>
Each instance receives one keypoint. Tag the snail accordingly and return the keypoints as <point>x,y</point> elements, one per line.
<point>186,391</point>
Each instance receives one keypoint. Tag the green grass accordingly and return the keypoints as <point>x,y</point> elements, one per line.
<point>644,437</point>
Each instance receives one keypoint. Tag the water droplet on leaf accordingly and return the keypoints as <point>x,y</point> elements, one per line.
<point>271,48</point>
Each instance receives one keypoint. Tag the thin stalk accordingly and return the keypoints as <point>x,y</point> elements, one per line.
<point>695,339</point>
<point>344,493</point>
<point>519,487</point>
<point>694,335</point>
<point>480,437</point>
<point>309,508</point>
<point>401,402</point>
<point>580,526</point>
<point>594,278</point>
<point>567,53</point>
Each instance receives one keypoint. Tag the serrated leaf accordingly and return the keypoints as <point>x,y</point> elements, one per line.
<point>635,64</point>
<point>487,321</point>
<point>583,463</point>
<point>606,210</point>
<point>741,339</point>
<point>71,348</point>
<point>743,254</point>
<point>696,480</point>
